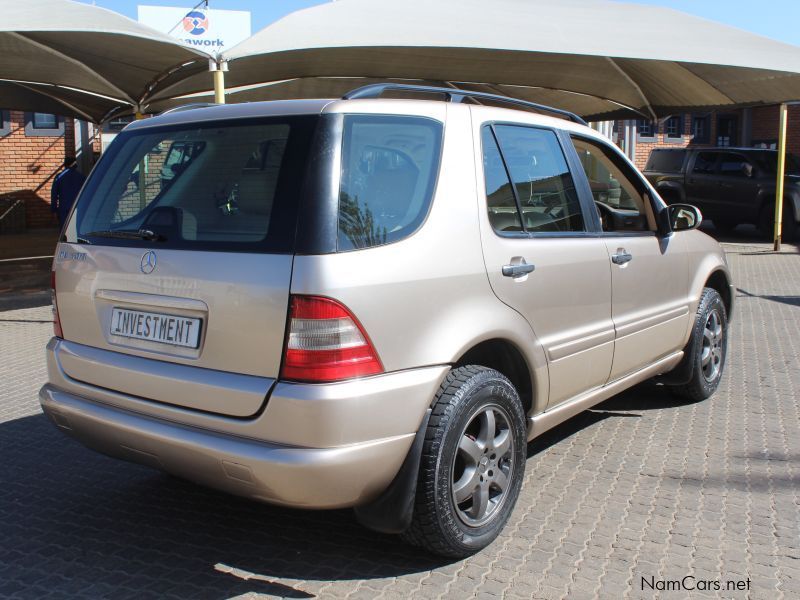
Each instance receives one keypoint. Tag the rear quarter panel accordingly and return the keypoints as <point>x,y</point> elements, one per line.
<point>426,300</point>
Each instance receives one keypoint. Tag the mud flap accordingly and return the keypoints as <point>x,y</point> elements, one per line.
<point>393,510</point>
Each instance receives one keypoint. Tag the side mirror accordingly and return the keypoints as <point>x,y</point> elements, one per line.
<point>684,217</point>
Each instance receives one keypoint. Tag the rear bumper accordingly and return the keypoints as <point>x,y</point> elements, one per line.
<point>313,446</point>
<point>303,477</point>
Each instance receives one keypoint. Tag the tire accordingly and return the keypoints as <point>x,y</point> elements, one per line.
<point>708,348</point>
<point>766,222</point>
<point>458,451</point>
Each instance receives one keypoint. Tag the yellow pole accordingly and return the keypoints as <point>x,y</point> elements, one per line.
<point>219,86</point>
<point>781,177</point>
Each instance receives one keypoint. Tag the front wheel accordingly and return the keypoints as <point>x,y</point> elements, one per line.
<point>708,348</point>
<point>472,466</point>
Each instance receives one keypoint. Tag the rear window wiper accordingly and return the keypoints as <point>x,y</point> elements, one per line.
<point>128,234</point>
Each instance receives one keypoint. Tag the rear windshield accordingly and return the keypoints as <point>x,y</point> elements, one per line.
<point>669,161</point>
<point>228,186</point>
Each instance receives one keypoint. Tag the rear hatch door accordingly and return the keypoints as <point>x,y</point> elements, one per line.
<point>180,252</point>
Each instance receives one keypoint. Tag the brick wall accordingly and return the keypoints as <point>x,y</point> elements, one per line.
<point>766,122</point>
<point>28,165</point>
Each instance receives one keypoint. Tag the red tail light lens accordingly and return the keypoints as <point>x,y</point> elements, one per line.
<point>325,343</point>
<point>56,320</point>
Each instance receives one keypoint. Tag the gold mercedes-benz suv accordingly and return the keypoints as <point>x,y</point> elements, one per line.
<point>371,302</point>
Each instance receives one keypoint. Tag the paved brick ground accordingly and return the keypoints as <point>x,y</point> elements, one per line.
<point>643,486</point>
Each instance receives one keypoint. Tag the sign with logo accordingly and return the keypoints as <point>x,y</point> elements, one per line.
<point>210,30</point>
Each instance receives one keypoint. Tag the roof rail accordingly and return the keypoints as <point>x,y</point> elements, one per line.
<point>183,107</point>
<point>375,90</point>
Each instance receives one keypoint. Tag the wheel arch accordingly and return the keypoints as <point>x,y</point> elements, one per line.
<point>720,281</point>
<point>670,189</point>
<point>505,357</point>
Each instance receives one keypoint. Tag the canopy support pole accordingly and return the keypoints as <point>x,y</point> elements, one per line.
<point>784,110</point>
<point>141,182</point>
<point>218,68</point>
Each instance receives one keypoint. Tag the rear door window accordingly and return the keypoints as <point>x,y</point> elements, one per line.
<point>389,170</point>
<point>541,179</point>
<point>220,186</point>
<point>734,165</point>
<point>704,163</point>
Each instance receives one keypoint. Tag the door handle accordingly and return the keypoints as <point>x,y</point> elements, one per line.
<point>621,257</point>
<point>518,270</point>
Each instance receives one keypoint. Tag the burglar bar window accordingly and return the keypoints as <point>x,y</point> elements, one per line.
<point>646,129</point>
<point>673,127</point>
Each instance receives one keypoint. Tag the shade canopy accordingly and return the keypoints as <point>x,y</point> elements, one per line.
<point>55,100</point>
<point>82,47</point>
<point>334,87</point>
<point>651,59</point>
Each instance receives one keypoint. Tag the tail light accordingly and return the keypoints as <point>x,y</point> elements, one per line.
<point>56,320</point>
<point>325,343</point>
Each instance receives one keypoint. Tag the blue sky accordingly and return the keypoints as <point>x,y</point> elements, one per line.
<point>779,19</point>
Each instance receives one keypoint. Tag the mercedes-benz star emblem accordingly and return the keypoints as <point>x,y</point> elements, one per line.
<point>148,264</point>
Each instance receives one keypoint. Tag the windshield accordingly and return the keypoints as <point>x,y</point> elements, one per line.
<point>220,186</point>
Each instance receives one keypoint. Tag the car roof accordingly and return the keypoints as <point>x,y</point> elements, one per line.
<point>273,108</point>
<point>224,112</point>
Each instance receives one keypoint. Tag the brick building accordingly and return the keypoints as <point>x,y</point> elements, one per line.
<point>749,127</point>
<point>33,147</point>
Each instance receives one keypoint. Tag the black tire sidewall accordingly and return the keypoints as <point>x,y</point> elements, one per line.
<point>710,300</point>
<point>485,389</point>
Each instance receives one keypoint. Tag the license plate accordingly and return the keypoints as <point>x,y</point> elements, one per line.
<point>156,327</point>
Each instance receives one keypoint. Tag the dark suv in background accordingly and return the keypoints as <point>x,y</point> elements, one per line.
<point>731,186</point>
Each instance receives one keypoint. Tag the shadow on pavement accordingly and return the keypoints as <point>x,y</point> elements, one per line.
<point>790,300</point>
<point>645,396</point>
<point>749,236</point>
<point>24,283</point>
<point>78,523</point>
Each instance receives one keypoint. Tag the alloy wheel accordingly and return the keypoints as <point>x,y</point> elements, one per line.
<point>711,355</point>
<point>481,471</point>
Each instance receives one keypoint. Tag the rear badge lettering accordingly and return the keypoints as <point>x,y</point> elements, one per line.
<point>79,256</point>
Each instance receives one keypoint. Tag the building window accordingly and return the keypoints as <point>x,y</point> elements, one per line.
<point>43,125</point>
<point>727,130</point>
<point>701,127</point>
<point>646,129</point>
<point>5,123</point>
<point>116,125</point>
<point>673,127</point>
<point>44,121</point>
